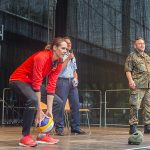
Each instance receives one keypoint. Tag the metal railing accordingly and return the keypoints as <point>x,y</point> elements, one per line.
<point>116,108</point>
<point>1,101</point>
<point>3,107</point>
<point>10,109</point>
<point>92,99</point>
<point>111,103</point>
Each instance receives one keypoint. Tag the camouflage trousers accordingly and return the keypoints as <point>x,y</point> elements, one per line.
<point>139,98</point>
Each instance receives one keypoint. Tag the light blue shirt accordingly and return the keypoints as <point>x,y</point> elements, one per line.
<point>69,69</point>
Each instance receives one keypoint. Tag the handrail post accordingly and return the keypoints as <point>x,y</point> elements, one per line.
<point>100,108</point>
<point>105,109</point>
<point>111,108</point>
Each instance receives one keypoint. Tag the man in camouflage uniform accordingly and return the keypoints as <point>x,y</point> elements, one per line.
<point>137,69</point>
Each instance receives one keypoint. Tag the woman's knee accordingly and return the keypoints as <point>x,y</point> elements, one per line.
<point>32,102</point>
<point>35,102</point>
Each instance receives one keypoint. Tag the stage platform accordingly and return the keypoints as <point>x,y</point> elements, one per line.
<point>100,139</point>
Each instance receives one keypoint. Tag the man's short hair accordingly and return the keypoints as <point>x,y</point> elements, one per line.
<point>139,38</point>
<point>67,37</point>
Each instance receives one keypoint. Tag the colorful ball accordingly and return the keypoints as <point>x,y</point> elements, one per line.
<point>45,125</point>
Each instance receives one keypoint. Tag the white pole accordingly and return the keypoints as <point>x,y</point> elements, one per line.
<point>2,33</point>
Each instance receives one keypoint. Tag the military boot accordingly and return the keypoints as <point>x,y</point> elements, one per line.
<point>147,129</point>
<point>133,129</point>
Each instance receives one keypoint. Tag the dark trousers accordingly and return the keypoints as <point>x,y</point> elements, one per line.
<point>29,97</point>
<point>66,90</point>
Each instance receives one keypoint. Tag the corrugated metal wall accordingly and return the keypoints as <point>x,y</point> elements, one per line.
<point>97,22</point>
<point>109,24</point>
<point>105,29</point>
<point>26,24</point>
<point>96,29</point>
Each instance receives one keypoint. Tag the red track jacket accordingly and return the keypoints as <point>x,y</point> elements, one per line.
<point>37,67</point>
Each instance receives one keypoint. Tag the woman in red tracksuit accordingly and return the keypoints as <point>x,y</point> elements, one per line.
<point>26,81</point>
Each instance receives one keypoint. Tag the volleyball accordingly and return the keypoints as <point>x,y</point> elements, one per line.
<point>45,125</point>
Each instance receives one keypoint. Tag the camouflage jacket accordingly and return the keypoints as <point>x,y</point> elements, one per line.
<point>139,66</point>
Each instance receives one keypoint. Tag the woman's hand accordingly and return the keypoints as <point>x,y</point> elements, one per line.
<point>49,114</point>
<point>40,114</point>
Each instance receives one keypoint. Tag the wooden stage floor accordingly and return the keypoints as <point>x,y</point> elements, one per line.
<point>100,139</point>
